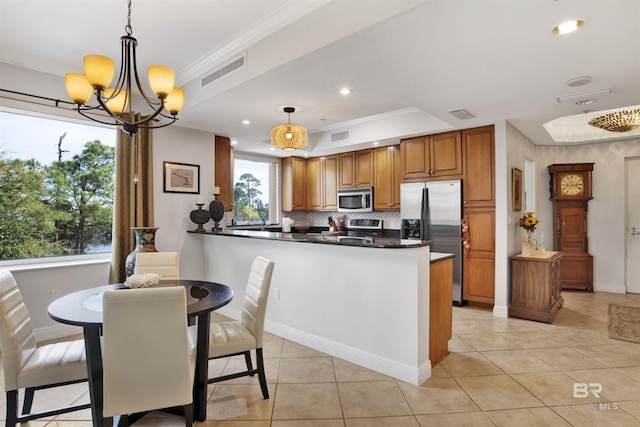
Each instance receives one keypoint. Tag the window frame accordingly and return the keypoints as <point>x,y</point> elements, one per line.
<point>56,260</point>
<point>274,184</point>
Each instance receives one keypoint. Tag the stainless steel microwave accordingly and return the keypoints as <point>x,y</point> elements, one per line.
<point>355,199</point>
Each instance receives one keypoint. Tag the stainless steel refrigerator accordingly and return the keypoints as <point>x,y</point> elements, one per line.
<point>433,211</point>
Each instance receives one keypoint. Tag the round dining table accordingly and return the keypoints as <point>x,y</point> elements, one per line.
<point>84,308</point>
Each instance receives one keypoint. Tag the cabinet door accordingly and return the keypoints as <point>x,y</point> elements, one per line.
<point>223,176</point>
<point>479,264</point>
<point>364,168</point>
<point>294,181</point>
<point>322,179</point>
<point>331,183</point>
<point>387,178</point>
<point>572,230</point>
<point>314,184</point>
<point>479,160</point>
<point>414,154</point>
<point>347,169</point>
<point>446,155</point>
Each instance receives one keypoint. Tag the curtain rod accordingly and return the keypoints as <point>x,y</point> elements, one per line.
<point>56,102</point>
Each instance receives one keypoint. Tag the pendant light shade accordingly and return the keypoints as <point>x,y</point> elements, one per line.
<point>620,121</point>
<point>289,136</point>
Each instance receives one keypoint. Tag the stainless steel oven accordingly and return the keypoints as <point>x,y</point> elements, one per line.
<point>355,199</point>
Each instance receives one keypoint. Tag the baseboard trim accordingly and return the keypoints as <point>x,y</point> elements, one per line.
<point>499,311</point>
<point>394,369</point>
<point>616,288</point>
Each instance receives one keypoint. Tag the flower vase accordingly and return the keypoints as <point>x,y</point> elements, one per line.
<point>145,242</point>
<point>528,246</point>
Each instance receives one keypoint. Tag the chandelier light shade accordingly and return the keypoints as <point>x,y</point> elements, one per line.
<point>289,136</point>
<point>620,121</point>
<point>116,101</point>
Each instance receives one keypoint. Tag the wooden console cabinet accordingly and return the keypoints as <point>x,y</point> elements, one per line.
<point>535,287</point>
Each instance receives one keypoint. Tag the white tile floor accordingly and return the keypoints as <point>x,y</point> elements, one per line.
<point>500,372</point>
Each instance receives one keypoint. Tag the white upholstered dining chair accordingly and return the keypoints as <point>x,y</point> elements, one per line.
<point>166,264</point>
<point>235,337</point>
<point>29,367</point>
<point>148,351</point>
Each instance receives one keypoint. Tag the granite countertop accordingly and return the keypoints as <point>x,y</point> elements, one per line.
<point>320,238</point>
<point>439,256</point>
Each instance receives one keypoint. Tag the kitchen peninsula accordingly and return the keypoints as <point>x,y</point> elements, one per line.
<point>365,303</point>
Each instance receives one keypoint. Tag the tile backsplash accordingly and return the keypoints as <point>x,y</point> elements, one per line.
<point>391,220</point>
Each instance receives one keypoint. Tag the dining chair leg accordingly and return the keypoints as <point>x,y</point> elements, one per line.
<point>247,359</point>
<point>261,375</point>
<point>28,400</point>
<point>12,408</point>
<point>188,415</point>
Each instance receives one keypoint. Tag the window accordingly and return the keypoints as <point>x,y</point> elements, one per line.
<point>56,186</point>
<point>255,195</point>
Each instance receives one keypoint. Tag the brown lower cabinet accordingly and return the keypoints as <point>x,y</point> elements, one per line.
<point>535,286</point>
<point>479,263</point>
<point>440,315</point>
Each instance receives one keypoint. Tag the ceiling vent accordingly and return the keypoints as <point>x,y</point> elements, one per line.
<point>339,136</point>
<point>460,114</point>
<point>224,70</point>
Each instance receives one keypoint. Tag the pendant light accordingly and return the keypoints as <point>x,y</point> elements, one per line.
<point>289,136</point>
<point>116,101</point>
<point>619,121</point>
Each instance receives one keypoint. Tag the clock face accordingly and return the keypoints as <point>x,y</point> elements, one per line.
<point>572,185</point>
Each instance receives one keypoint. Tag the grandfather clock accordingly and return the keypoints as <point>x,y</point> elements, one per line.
<point>570,193</point>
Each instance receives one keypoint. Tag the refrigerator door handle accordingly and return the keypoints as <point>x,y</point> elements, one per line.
<point>424,214</point>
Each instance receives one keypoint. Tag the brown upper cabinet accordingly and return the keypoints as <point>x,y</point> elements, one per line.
<point>223,175</point>
<point>388,175</point>
<point>432,157</point>
<point>356,169</point>
<point>479,179</point>
<point>294,182</point>
<point>322,189</point>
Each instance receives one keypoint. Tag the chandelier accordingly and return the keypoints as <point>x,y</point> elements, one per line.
<point>620,121</point>
<point>116,101</point>
<point>289,137</point>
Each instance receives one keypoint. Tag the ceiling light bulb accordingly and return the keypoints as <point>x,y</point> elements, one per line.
<point>288,135</point>
<point>345,91</point>
<point>568,27</point>
<point>246,122</point>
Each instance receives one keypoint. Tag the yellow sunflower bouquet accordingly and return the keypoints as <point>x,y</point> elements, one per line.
<point>529,222</point>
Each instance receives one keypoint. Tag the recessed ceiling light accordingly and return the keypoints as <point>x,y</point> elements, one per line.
<point>568,27</point>
<point>246,122</point>
<point>234,142</point>
<point>272,149</point>
<point>345,91</point>
<point>375,143</point>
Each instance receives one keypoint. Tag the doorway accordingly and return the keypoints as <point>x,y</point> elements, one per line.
<point>632,223</point>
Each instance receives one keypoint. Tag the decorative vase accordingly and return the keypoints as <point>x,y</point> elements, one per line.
<point>200,216</point>
<point>528,245</point>
<point>145,242</point>
<point>216,208</point>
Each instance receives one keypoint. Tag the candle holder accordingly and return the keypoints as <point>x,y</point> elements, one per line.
<point>200,217</point>
<point>216,208</point>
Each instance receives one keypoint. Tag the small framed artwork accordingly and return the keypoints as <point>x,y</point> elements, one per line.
<point>516,189</point>
<point>181,178</point>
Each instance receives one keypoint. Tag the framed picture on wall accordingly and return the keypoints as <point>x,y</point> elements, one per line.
<point>516,189</point>
<point>181,178</point>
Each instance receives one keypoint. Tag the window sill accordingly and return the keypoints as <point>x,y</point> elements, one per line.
<point>55,262</point>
